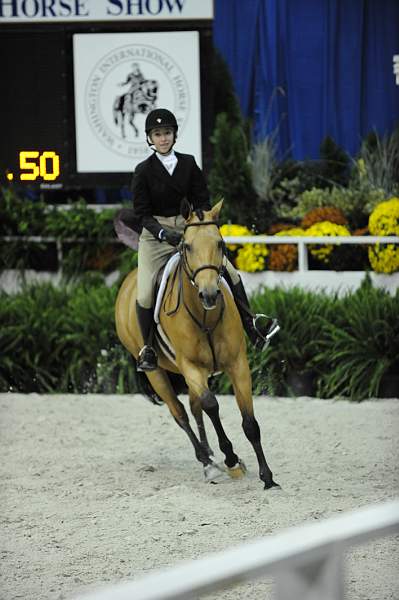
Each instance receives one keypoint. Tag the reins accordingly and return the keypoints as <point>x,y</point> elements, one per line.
<point>191,275</point>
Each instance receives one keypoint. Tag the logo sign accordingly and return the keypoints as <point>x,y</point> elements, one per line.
<point>119,79</point>
<point>28,11</point>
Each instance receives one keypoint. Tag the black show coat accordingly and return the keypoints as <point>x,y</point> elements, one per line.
<point>156,192</point>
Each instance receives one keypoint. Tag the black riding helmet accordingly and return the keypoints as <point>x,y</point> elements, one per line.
<point>160,117</point>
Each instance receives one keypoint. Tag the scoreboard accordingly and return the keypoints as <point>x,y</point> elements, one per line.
<point>35,105</point>
<point>50,137</point>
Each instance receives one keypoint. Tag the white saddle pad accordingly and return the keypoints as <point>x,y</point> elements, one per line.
<point>165,344</point>
<point>172,262</point>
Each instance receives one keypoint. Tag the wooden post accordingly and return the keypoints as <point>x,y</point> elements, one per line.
<point>322,578</point>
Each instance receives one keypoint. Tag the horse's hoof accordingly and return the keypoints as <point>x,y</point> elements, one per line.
<point>213,473</point>
<point>238,471</point>
<point>273,487</point>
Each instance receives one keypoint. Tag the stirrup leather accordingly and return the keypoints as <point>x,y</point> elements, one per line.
<point>271,331</point>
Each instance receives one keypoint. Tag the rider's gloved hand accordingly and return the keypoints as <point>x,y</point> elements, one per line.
<point>199,213</point>
<point>170,236</point>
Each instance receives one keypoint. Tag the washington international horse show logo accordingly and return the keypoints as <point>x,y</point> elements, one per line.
<point>124,86</point>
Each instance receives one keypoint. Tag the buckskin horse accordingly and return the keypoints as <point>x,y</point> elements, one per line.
<point>199,317</point>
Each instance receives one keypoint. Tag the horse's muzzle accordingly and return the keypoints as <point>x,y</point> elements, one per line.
<point>209,299</point>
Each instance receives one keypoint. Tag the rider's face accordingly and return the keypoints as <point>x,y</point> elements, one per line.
<point>162,138</point>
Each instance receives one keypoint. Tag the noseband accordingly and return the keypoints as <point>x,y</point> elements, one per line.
<point>183,253</point>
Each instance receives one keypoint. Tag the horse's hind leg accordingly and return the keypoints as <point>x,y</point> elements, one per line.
<point>162,386</point>
<point>241,379</point>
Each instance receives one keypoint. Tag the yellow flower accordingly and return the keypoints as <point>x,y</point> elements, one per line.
<point>384,220</point>
<point>251,257</point>
<point>231,230</point>
<point>324,228</point>
<point>294,231</point>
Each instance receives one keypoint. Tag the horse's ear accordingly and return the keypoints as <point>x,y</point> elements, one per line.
<point>186,209</point>
<point>215,210</point>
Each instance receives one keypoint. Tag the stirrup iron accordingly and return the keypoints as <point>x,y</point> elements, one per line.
<point>273,329</point>
<point>149,362</point>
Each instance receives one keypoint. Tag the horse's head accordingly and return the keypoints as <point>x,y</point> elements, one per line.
<point>144,97</point>
<point>203,252</point>
<point>152,88</point>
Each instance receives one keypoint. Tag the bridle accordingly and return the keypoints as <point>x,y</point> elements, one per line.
<point>184,259</point>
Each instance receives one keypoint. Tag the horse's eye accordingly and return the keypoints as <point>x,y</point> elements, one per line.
<point>187,247</point>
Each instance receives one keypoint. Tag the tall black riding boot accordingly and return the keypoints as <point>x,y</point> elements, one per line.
<point>259,328</point>
<point>147,359</point>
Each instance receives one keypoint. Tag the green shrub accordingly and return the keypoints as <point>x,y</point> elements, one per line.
<point>230,175</point>
<point>64,340</point>
<point>20,216</point>
<point>53,340</point>
<point>293,349</point>
<point>94,229</point>
<point>353,202</point>
<point>80,221</point>
<point>31,325</point>
<point>291,178</point>
<point>377,165</point>
<point>360,345</point>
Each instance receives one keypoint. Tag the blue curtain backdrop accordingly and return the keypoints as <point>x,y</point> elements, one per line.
<point>306,69</point>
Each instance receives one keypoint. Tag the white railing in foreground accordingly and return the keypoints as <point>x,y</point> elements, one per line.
<point>303,241</point>
<point>306,561</point>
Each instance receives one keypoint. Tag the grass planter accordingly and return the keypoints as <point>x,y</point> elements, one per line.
<point>63,339</point>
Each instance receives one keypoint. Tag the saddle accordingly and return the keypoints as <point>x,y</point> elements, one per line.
<point>162,279</point>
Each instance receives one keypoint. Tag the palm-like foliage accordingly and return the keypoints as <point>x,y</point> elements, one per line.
<point>360,345</point>
<point>300,313</point>
<point>30,325</point>
<point>54,339</point>
<point>88,328</point>
<point>64,340</point>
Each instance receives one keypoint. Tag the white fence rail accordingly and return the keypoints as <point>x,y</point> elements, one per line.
<point>302,242</point>
<point>306,562</point>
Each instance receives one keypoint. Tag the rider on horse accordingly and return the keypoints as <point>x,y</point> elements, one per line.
<point>160,184</point>
<point>135,78</point>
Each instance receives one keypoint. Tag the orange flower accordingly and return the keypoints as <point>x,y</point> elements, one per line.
<point>324,213</point>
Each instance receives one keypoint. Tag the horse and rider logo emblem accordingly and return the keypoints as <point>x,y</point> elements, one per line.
<point>124,86</point>
<point>141,98</point>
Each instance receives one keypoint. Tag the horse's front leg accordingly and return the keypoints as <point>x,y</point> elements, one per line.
<point>131,121</point>
<point>202,398</point>
<point>240,376</point>
<point>196,409</point>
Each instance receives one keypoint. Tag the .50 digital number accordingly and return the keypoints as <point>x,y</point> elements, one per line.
<point>34,165</point>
